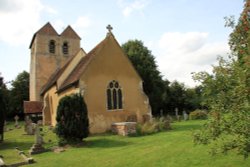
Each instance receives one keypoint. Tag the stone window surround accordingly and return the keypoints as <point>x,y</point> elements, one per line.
<point>65,48</point>
<point>52,46</point>
<point>110,96</point>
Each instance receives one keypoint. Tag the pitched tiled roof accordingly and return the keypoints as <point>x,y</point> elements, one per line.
<point>81,67</point>
<point>70,33</point>
<point>55,76</point>
<point>47,29</point>
<point>32,107</point>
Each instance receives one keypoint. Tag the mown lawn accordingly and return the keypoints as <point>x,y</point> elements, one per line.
<point>167,149</point>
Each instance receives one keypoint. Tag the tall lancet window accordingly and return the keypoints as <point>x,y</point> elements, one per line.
<point>52,46</point>
<point>114,96</point>
<point>65,48</point>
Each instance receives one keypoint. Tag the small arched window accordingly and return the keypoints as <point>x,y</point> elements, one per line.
<point>114,96</point>
<point>65,48</point>
<point>52,46</point>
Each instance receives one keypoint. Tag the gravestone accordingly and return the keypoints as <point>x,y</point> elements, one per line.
<point>177,114</point>
<point>16,118</point>
<point>29,126</point>
<point>38,146</point>
<point>5,129</point>
<point>161,112</point>
<point>185,115</point>
<point>1,161</point>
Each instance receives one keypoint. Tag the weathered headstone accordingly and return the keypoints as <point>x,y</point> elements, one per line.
<point>38,146</point>
<point>39,138</point>
<point>1,161</point>
<point>5,129</point>
<point>169,118</point>
<point>29,126</point>
<point>185,115</point>
<point>177,114</point>
<point>161,112</point>
<point>16,118</point>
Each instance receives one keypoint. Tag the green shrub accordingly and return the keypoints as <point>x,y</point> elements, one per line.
<point>153,126</point>
<point>72,120</point>
<point>198,114</point>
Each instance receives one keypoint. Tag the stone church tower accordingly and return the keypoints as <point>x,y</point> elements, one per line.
<point>49,52</point>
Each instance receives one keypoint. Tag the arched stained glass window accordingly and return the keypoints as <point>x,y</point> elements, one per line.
<point>114,96</point>
<point>52,46</point>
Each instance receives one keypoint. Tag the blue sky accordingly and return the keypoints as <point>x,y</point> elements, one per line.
<point>184,35</point>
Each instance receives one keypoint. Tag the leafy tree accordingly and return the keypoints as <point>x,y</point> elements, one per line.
<point>18,93</point>
<point>227,95</point>
<point>166,98</point>
<point>144,62</point>
<point>193,99</point>
<point>2,109</point>
<point>72,119</point>
<point>177,95</point>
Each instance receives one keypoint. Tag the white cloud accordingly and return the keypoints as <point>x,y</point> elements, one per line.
<point>50,10</point>
<point>182,43</point>
<point>20,19</point>
<point>81,25</point>
<point>82,22</point>
<point>184,53</point>
<point>129,8</point>
<point>59,25</point>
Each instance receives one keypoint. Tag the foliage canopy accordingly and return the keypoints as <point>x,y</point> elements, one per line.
<point>226,92</point>
<point>72,119</point>
<point>17,94</point>
<point>144,62</point>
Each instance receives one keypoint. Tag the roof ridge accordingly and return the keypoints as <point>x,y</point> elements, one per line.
<point>46,29</point>
<point>70,33</point>
<point>82,66</point>
<point>58,72</point>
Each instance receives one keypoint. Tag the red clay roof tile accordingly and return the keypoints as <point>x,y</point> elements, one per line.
<point>32,107</point>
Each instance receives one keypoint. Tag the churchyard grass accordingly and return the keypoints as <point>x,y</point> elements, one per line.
<point>172,148</point>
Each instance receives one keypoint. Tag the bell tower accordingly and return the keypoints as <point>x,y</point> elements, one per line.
<point>49,52</point>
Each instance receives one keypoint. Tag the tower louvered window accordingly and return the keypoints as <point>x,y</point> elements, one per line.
<point>65,48</point>
<point>114,96</point>
<point>52,46</point>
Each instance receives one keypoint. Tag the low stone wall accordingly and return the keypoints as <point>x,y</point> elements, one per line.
<point>124,128</point>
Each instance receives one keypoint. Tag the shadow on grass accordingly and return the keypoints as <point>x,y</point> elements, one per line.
<point>21,145</point>
<point>105,143</point>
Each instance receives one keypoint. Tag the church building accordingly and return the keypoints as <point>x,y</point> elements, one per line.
<point>105,77</point>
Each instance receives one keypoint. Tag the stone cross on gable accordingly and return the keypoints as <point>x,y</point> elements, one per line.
<point>109,28</point>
